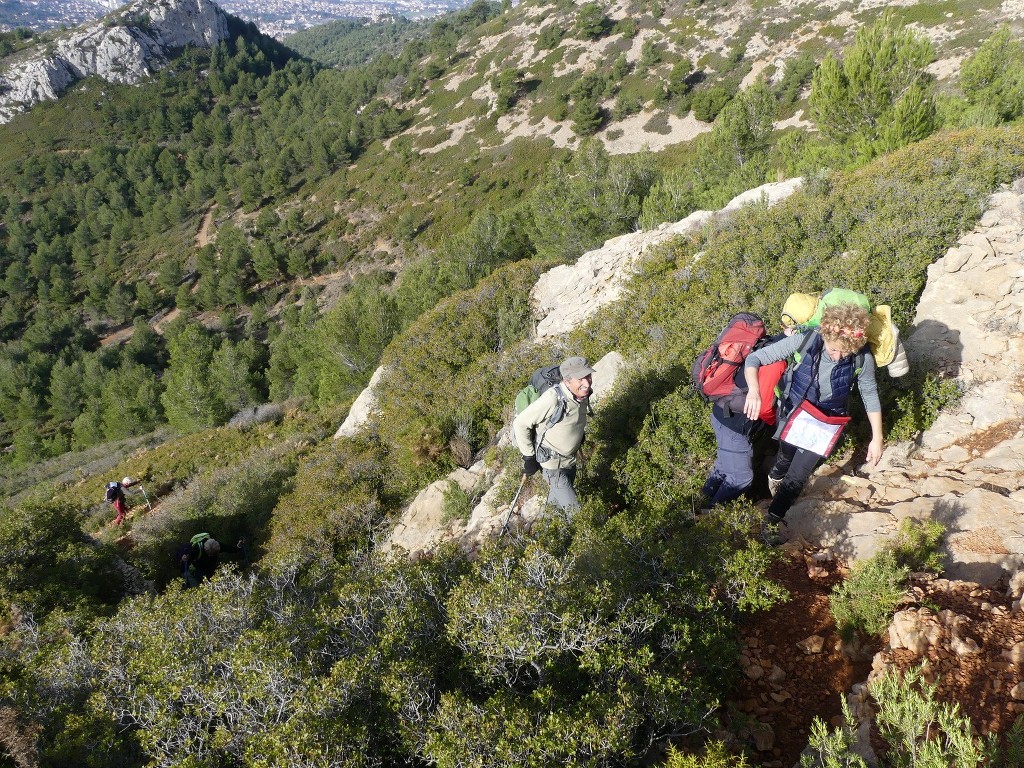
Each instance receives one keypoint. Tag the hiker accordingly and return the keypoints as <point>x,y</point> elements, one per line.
<point>554,448</point>
<point>115,495</point>
<point>825,364</point>
<point>735,434</point>
<point>200,557</point>
<point>803,311</point>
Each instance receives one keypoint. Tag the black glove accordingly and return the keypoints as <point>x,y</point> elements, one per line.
<point>530,465</point>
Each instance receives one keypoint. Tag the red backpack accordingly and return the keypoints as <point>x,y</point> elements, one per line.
<point>714,369</point>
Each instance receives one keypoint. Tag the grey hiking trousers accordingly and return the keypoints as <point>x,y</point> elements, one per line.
<point>561,492</point>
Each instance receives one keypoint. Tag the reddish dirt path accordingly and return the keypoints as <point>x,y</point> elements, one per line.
<point>812,684</point>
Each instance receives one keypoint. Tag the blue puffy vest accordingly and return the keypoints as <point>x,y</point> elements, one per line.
<point>803,376</point>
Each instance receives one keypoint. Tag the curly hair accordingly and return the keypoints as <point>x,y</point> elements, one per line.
<point>844,327</point>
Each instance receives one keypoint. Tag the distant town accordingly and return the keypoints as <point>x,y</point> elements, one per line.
<point>277,18</point>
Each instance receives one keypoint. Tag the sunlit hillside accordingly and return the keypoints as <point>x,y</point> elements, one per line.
<point>200,273</point>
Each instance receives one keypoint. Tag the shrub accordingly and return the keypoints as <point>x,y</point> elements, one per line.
<point>569,639</point>
<point>446,369</point>
<point>917,545</point>
<point>707,103</point>
<point>832,749</point>
<point>45,564</point>
<point>917,403</point>
<point>715,756</point>
<point>919,730</point>
<point>865,601</point>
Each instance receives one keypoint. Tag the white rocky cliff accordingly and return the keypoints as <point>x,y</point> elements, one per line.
<point>125,47</point>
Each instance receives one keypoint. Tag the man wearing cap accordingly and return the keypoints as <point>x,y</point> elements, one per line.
<point>553,449</point>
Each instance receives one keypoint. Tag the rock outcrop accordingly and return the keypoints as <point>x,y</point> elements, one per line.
<point>565,297</point>
<point>124,47</point>
<point>967,470</point>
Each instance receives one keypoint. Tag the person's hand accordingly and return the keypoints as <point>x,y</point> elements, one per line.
<point>752,405</point>
<point>241,543</point>
<point>530,465</point>
<point>875,451</point>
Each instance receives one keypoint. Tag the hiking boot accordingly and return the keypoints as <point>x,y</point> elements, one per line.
<point>774,485</point>
<point>774,530</point>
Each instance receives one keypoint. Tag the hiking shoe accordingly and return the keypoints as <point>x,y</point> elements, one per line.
<point>774,530</point>
<point>774,485</point>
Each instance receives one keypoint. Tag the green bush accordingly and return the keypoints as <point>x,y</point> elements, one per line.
<point>336,502</point>
<point>715,756</point>
<point>46,565</point>
<point>708,102</point>
<point>864,602</point>
<point>917,545</point>
<point>832,749</point>
<point>447,370</point>
<point>919,730</point>
<point>916,404</point>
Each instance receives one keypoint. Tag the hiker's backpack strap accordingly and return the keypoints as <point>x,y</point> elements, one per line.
<point>785,385</point>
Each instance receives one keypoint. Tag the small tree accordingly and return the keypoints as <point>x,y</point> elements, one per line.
<point>993,78</point>
<point>586,117</point>
<point>708,103</point>
<point>590,22</point>
<point>191,400</point>
<point>878,96</point>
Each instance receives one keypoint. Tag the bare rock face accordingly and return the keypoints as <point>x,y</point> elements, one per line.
<point>122,48</point>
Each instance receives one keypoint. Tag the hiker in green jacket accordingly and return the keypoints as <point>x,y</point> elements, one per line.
<point>200,557</point>
<point>554,449</point>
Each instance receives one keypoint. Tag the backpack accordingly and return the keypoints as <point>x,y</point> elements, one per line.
<point>713,372</point>
<point>834,296</point>
<point>541,381</point>
<point>113,488</point>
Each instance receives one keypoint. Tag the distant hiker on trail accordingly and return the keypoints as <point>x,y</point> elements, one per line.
<point>553,447</point>
<point>200,557</point>
<point>115,496</point>
<point>824,365</point>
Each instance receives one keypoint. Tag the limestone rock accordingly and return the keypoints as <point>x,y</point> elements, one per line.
<point>812,644</point>
<point>127,46</point>
<point>568,295</point>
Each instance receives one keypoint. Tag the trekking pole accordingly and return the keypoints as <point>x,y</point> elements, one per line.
<point>146,497</point>
<point>512,506</point>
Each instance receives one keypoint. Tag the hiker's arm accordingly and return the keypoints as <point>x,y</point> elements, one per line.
<point>868,386</point>
<point>752,404</point>
<point>524,425</point>
<point>875,447</point>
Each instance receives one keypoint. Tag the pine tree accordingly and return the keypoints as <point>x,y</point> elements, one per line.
<point>191,399</point>
<point>878,96</point>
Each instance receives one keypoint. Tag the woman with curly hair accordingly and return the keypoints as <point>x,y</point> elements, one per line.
<point>825,363</point>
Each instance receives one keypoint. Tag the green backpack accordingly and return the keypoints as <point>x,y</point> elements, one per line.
<point>834,296</point>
